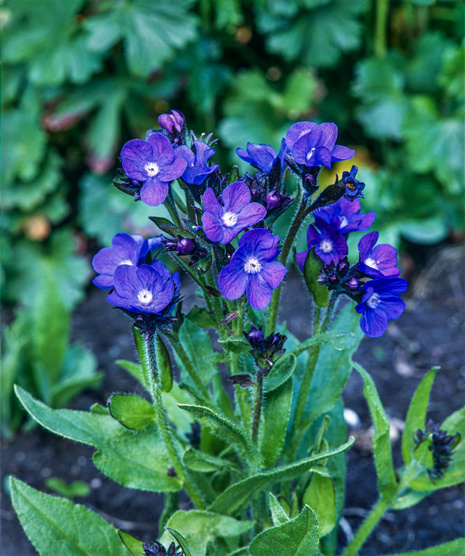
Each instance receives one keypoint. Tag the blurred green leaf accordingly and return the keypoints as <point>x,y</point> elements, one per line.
<point>452,548</point>
<point>71,490</point>
<point>453,72</point>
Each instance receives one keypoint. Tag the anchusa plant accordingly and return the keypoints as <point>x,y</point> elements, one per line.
<point>256,443</point>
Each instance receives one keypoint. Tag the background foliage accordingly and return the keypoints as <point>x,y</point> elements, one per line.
<point>81,77</point>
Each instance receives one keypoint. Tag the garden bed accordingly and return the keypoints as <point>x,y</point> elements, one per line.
<point>431,332</point>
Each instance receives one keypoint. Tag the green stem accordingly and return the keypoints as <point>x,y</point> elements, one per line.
<point>163,426</point>
<point>171,208</point>
<point>257,405</point>
<point>290,237</point>
<point>382,12</point>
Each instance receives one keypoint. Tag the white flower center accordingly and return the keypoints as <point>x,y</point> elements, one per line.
<point>371,263</point>
<point>229,219</point>
<point>145,297</point>
<point>374,301</point>
<point>252,266</point>
<point>343,221</point>
<point>310,154</point>
<point>326,246</point>
<point>152,169</point>
<point>127,262</point>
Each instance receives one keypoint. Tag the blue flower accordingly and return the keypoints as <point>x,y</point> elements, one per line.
<point>126,250</point>
<point>353,187</point>
<point>380,304</point>
<point>144,289</point>
<point>330,245</point>
<point>344,216</point>
<point>315,145</point>
<point>173,121</point>
<point>223,223</point>
<point>155,164</point>
<point>263,157</point>
<point>379,261</point>
<point>197,170</point>
<point>253,269</point>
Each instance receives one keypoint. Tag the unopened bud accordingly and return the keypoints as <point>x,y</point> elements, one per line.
<point>273,200</point>
<point>185,246</point>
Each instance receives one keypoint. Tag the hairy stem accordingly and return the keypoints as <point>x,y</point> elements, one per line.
<point>257,405</point>
<point>171,208</point>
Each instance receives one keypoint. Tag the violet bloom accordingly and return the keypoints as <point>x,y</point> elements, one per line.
<point>380,304</point>
<point>154,163</point>
<point>353,187</point>
<point>263,157</point>
<point>173,121</point>
<point>344,216</point>
<point>315,145</point>
<point>253,270</point>
<point>223,223</point>
<point>330,245</point>
<point>379,261</point>
<point>127,250</point>
<point>197,170</point>
<point>143,289</point>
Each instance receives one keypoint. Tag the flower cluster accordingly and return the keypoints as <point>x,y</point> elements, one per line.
<point>228,231</point>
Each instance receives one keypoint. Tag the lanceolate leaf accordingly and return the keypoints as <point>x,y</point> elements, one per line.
<point>181,541</point>
<point>416,415</point>
<point>280,373</point>
<point>165,371</point>
<point>297,537</point>
<point>131,543</point>
<point>312,269</point>
<point>239,495</point>
<point>57,526</point>
<point>135,461</point>
<point>132,411</point>
<point>320,495</point>
<point>278,514</point>
<point>381,440</point>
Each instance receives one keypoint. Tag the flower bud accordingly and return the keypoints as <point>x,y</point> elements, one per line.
<point>353,283</point>
<point>254,337</point>
<point>185,246</point>
<point>173,121</point>
<point>273,200</point>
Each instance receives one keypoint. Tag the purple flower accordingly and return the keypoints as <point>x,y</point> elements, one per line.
<point>197,170</point>
<point>155,164</point>
<point>223,223</point>
<point>253,270</point>
<point>330,245</point>
<point>314,145</point>
<point>379,261</point>
<point>263,157</point>
<point>353,187</point>
<point>126,250</point>
<point>380,304</point>
<point>173,121</point>
<point>344,216</point>
<point>143,289</point>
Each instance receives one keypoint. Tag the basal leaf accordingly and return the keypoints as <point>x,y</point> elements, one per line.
<point>136,461</point>
<point>297,537</point>
<point>387,482</point>
<point>278,513</point>
<point>57,525</point>
<point>320,495</point>
<point>280,372</point>
<point>133,412</point>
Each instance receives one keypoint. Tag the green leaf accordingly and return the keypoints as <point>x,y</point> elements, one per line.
<point>135,370</point>
<point>74,489</point>
<point>136,461</point>
<point>278,513</point>
<point>455,473</point>
<point>280,372</point>
<point>416,416</point>
<point>409,498</point>
<point>238,496</point>
<point>276,413</point>
<point>338,340</point>
<point>453,548</point>
<point>320,495</point>
<point>132,411</point>
<point>199,527</point>
<point>56,525</point>
<point>165,371</point>
<point>135,546</point>
<point>203,462</point>
<point>312,270</point>
<point>181,541</point>
<point>234,345</point>
<point>297,537</point>
<point>224,429</point>
<point>198,347</point>
<point>201,317</point>
<point>387,482</point>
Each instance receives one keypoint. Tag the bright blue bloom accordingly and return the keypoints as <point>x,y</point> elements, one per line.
<point>253,269</point>
<point>263,157</point>
<point>223,223</point>
<point>344,216</point>
<point>380,304</point>
<point>315,145</point>
<point>144,289</point>
<point>126,250</point>
<point>330,245</point>
<point>197,169</point>
<point>353,186</point>
<point>379,261</point>
<point>155,164</point>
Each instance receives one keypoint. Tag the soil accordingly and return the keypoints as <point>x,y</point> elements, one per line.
<point>431,332</point>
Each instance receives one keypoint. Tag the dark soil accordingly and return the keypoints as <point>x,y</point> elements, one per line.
<point>431,332</point>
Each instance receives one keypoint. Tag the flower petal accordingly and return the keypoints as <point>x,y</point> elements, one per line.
<point>235,197</point>
<point>273,272</point>
<point>374,323</point>
<point>154,192</point>
<point>232,280</point>
<point>212,227</point>
<point>342,153</point>
<point>211,204</point>
<point>259,292</point>
<point>134,156</point>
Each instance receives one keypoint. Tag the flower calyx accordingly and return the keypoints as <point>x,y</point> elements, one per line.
<point>265,350</point>
<point>155,548</point>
